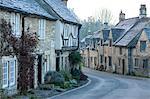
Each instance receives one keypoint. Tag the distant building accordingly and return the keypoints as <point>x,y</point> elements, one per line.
<point>126,49</point>
<point>89,50</point>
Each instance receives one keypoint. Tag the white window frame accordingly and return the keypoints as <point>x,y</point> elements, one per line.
<point>4,85</point>
<point>12,73</point>
<point>42,28</point>
<point>15,23</point>
<point>8,60</point>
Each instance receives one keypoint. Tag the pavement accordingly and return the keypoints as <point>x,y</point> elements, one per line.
<point>104,85</point>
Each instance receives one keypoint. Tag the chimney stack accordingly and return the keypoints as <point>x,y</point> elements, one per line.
<point>143,12</point>
<point>65,2</point>
<point>121,16</point>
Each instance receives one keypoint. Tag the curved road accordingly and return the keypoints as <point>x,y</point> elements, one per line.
<point>109,86</point>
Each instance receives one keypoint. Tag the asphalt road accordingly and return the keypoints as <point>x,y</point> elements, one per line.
<point>109,86</point>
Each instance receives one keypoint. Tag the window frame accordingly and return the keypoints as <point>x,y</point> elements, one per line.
<point>11,80</point>
<point>42,28</point>
<point>141,46</point>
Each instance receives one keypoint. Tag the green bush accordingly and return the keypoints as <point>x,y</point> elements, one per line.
<point>54,77</point>
<point>66,85</point>
<point>67,75</point>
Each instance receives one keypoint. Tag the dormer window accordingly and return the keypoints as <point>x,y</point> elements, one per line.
<point>142,46</point>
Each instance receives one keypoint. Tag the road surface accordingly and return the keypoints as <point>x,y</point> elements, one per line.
<point>109,86</point>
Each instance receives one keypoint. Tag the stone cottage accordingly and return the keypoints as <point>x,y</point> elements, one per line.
<point>67,30</point>
<point>89,50</point>
<point>51,25</point>
<point>126,49</point>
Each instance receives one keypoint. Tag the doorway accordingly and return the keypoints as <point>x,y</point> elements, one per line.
<point>123,66</point>
<point>57,64</point>
<point>39,69</point>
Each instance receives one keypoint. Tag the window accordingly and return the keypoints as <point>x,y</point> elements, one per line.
<point>95,61</point>
<point>9,72</point>
<point>12,65</point>
<point>110,61</point>
<point>15,23</point>
<point>142,46</point>
<point>101,58</point>
<point>66,42</point>
<point>5,74</point>
<point>120,50</point>
<point>42,28</point>
<point>119,61</point>
<point>145,63</point>
<point>136,62</point>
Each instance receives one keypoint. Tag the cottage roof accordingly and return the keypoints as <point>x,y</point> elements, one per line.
<point>61,9</point>
<point>116,33</point>
<point>87,37</point>
<point>147,31</point>
<point>105,34</point>
<point>132,32</point>
<point>25,6</point>
<point>96,34</point>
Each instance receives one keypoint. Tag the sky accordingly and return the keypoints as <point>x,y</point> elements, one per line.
<point>87,8</point>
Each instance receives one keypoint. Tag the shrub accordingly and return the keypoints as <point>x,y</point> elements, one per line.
<point>75,58</point>
<point>66,85</point>
<point>83,77</point>
<point>54,77</point>
<point>67,75</point>
<point>78,75</point>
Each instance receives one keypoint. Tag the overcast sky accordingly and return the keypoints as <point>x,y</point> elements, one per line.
<point>86,8</point>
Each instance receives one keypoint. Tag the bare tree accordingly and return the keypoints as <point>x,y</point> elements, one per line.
<point>105,16</point>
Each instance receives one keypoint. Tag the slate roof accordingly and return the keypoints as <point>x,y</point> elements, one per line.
<point>87,37</point>
<point>147,31</point>
<point>61,9</point>
<point>116,33</point>
<point>105,34</point>
<point>133,31</point>
<point>96,34</point>
<point>25,6</point>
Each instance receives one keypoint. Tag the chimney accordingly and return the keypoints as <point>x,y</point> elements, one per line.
<point>143,11</point>
<point>65,2</point>
<point>106,25</point>
<point>121,16</point>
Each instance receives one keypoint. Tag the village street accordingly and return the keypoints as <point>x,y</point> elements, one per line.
<point>108,86</point>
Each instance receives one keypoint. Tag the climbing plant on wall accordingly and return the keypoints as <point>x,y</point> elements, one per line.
<point>23,47</point>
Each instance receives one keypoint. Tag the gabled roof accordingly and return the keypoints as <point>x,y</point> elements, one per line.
<point>116,33</point>
<point>96,34</point>
<point>105,34</point>
<point>133,31</point>
<point>87,37</point>
<point>25,6</point>
<point>147,31</point>
<point>62,11</point>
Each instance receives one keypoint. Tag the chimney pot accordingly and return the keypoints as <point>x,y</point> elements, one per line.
<point>121,16</point>
<point>143,12</point>
<point>65,2</point>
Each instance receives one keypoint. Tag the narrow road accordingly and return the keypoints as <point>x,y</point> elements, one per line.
<point>109,86</point>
